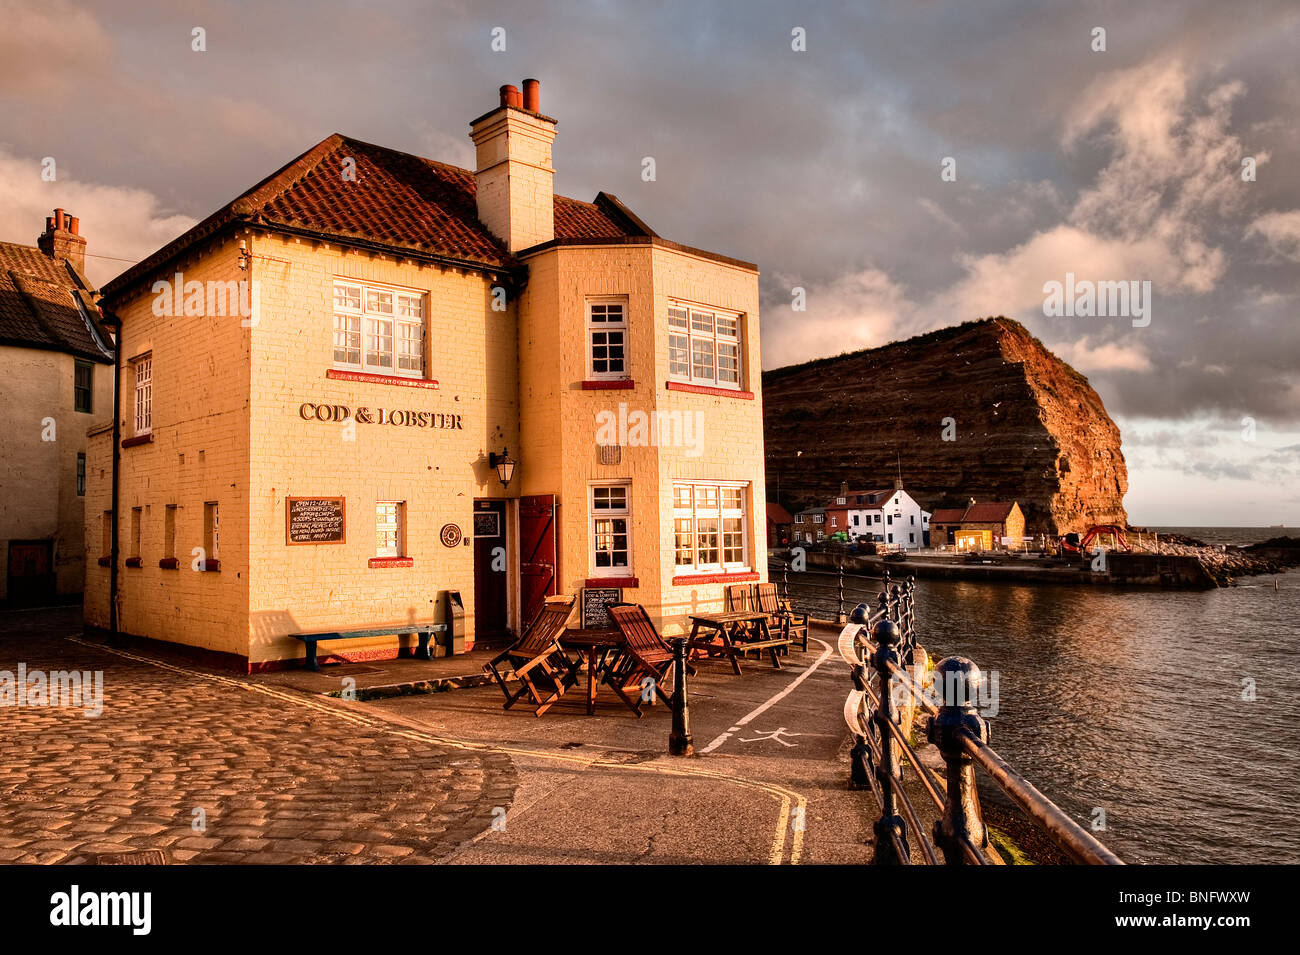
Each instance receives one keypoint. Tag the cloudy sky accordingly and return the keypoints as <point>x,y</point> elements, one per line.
<point>823,165</point>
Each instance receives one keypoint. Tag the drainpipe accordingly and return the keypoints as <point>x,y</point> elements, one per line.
<point>117,465</point>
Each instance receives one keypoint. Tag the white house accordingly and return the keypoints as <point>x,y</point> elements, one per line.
<point>890,517</point>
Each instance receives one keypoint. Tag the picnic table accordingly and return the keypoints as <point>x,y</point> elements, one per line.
<point>596,645</point>
<point>732,634</point>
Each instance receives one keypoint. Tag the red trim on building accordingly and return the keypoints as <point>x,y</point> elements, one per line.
<point>608,384</point>
<point>211,564</point>
<point>392,561</point>
<point>134,562</point>
<point>138,440</point>
<point>716,578</point>
<point>169,563</point>
<point>707,390</point>
<point>104,561</point>
<point>343,375</point>
<point>624,582</point>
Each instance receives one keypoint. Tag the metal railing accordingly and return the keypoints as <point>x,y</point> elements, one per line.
<point>881,650</point>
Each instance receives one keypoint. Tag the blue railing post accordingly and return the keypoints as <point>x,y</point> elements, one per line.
<point>890,825</point>
<point>958,681</point>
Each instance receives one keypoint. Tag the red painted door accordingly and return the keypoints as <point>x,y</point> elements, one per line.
<point>537,552</point>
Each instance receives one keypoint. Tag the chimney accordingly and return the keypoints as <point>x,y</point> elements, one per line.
<point>62,239</point>
<point>898,484</point>
<point>844,489</point>
<point>513,173</point>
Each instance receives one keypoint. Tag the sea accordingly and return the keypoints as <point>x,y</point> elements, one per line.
<point>1166,717</point>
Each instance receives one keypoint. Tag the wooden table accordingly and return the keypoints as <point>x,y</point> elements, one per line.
<point>596,644</point>
<point>739,632</point>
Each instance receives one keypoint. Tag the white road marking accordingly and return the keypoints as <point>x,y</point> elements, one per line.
<point>771,702</point>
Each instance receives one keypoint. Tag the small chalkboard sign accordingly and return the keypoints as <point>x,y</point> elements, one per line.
<point>595,607</point>
<point>315,520</point>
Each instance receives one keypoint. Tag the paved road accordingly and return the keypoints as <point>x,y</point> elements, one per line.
<point>211,769</point>
<point>285,776</point>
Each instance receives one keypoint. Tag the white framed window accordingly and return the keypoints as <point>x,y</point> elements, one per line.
<point>390,528</point>
<point>611,530</point>
<point>379,330</point>
<point>607,339</point>
<point>704,346</point>
<point>143,393</point>
<point>710,530</point>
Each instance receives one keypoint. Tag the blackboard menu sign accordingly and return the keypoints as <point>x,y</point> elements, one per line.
<point>595,607</point>
<point>314,520</point>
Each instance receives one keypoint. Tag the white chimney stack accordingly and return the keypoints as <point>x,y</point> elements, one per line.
<point>513,172</point>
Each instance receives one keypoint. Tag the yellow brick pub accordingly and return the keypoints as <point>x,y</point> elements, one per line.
<point>374,379</point>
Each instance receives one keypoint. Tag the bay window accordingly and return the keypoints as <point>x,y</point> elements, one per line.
<point>704,346</point>
<point>710,528</point>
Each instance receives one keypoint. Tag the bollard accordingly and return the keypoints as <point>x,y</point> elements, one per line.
<point>959,681</point>
<point>840,617</point>
<point>886,635</point>
<point>680,741</point>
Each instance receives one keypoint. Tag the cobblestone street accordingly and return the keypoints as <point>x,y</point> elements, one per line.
<point>212,770</point>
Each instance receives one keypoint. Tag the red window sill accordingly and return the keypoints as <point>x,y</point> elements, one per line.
<point>737,578</point>
<point>210,566</point>
<point>624,582</point>
<point>392,561</point>
<point>343,375</point>
<point>138,440</point>
<point>608,384</point>
<point>104,561</point>
<point>169,563</point>
<point>708,390</point>
<point>134,562</point>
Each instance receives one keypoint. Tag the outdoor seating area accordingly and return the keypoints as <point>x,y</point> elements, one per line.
<point>631,658</point>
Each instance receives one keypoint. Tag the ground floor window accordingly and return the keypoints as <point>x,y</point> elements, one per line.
<point>710,530</point>
<point>611,536</point>
<point>390,528</point>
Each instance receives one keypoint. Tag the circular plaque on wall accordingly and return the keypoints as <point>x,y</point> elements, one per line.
<point>451,535</point>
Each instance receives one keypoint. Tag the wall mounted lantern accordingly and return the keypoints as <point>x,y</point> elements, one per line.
<point>505,467</point>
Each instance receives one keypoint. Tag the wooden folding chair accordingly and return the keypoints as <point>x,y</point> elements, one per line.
<point>643,654</point>
<point>538,654</point>
<point>792,624</point>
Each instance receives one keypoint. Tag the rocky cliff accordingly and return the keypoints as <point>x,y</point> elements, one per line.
<point>1024,426</point>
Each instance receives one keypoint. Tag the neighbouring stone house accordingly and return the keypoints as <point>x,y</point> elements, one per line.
<point>56,381</point>
<point>984,525</point>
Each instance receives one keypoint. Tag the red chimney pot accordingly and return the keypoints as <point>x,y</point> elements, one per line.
<point>74,225</point>
<point>510,97</point>
<point>58,219</point>
<point>533,95</point>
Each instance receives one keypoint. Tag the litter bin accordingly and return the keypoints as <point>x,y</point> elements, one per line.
<point>453,615</point>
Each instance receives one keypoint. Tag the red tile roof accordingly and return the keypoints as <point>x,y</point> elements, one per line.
<point>396,200</point>
<point>983,512</point>
<point>778,514</point>
<point>42,305</point>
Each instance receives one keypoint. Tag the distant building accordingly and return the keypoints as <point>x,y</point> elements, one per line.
<point>779,524</point>
<point>809,525</point>
<point>56,381</point>
<point>978,526</point>
<point>891,517</point>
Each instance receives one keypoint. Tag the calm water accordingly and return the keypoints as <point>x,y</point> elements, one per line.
<point>1132,701</point>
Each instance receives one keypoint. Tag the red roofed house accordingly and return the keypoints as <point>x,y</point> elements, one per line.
<point>780,524</point>
<point>981,525</point>
<point>56,380</point>
<point>376,392</point>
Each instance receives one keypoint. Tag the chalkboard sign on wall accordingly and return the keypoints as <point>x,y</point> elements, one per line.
<point>314,520</point>
<point>595,607</point>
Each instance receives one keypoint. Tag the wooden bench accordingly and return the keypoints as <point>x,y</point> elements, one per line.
<point>424,631</point>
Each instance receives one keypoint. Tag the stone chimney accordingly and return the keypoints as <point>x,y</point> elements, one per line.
<point>513,172</point>
<point>62,239</point>
<point>898,484</point>
<point>844,489</point>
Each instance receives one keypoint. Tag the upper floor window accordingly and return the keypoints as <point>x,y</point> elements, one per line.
<point>143,393</point>
<point>607,339</point>
<point>83,378</point>
<point>704,346</point>
<point>379,330</point>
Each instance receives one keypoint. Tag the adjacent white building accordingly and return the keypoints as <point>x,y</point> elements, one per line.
<point>891,517</point>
